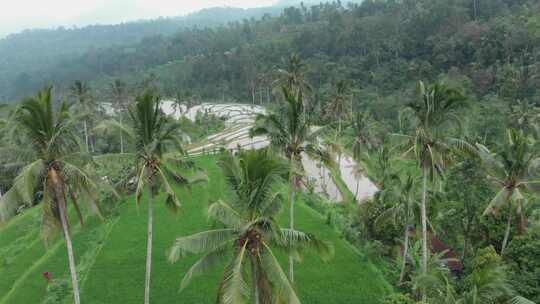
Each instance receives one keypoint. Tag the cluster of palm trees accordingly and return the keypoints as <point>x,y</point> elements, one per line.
<point>62,168</point>
<point>434,141</point>
<point>54,162</point>
<point>56,166</point>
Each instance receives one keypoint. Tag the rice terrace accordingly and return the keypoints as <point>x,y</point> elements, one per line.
<point>270,152</point>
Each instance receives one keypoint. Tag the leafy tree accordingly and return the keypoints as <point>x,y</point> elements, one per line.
<point>250,234</point>
<point>58,169</point>
<point>433,113</point>
<point>522,258</point>
<point>291,134</point>
<point>515,170</point>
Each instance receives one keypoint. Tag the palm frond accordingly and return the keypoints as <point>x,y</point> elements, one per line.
<point>200,242</point>
<point>520,300</point>
<point>283,287</point>
<point>115,127</point>
<point>23,190</point>
<point>206,263</point>
<point>225,214</point>
<point>234,288</point>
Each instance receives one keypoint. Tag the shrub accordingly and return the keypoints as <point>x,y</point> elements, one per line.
<point>523,258</point>
<point>398,298</point>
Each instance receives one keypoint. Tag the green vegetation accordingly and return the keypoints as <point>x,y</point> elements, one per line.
<point>435,101</point>
<point>117,275</point>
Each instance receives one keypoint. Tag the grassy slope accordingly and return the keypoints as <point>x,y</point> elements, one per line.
<point>117,276</point>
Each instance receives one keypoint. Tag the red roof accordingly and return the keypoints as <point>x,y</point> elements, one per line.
<point>451,258</point>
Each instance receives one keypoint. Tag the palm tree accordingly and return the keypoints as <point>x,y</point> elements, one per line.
<point>515,170</point>
<point>377,166</point>
<point>153,134</point>
<point>338,105</point>
<point>81,92</point>
<point>364,139</point>
<point>293,77</point>
<point>403,200</point>
<point>290,133</point>
<point>57,169</point>
<point>433,113</point>
<point>119,97</point>
<point>250,234</point>
<point>524,115</point>
<point>487,283</point>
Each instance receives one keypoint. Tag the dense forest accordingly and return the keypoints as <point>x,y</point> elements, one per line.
<point>438,102</point>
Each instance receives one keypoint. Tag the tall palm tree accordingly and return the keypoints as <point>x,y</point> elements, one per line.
<point>293,77</point>
<point>377,166</point>
<point>434,112</point>
<point>291,134</point>
<point>120,101</point>
<point>57,169</point>
<point>516,171</point>
<point>401,212</point>
<point>153,134</point>
<point>250,234</point>
<point>337,108</point>
<point>81,92</point>
<point>363,125</point>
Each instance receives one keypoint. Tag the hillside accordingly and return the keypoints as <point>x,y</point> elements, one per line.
<point>25,54</point>
<point>112,267</point>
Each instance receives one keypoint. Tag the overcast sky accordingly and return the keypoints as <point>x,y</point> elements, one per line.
<point>17,15</point>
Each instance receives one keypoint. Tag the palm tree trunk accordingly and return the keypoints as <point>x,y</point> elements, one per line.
<point>357,188</point>
<point>121,138</point>
<point>76,205</point>
<point>57,185</point>
<point>255,281</point>
<point>522,220</point>
<point>425,249</point>
<point>291,225</point>
<point>291,214</point>
<point>508,228</point>
<point>149,249</point>
<point>405,254</point>
<point>71,257</point>
<point>86,136</point>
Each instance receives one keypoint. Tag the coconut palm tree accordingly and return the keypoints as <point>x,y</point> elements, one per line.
<point>81,92</point>
<point>377,166</point>
<point>364,138</point>
<point>433,114</point>
<point>58,170</point>
<point>293,77</point>
<point>487,283</point>
<point>250,234</point>
<point>524,115</point>
<point>337,109</point>
<point>120,102</point>
<point>152,134</point>
<point>515,170</point>
<point>291,134</point>
<point>401,212</point>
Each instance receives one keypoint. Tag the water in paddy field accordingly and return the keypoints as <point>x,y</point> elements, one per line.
<point>239,119</point>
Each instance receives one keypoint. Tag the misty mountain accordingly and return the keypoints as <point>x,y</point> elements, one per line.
<point>32,51</point>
